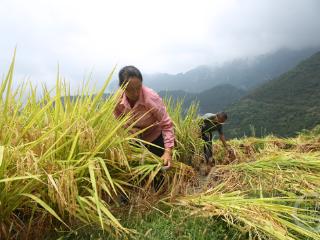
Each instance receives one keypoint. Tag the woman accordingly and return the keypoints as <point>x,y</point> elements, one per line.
<point>148,110</point>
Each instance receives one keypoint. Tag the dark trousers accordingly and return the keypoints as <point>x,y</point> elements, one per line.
<point>207,148</point>
<point>155,150</point>
<point>159,179</point>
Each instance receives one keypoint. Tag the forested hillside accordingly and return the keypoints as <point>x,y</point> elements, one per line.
<point>212,100</point>
<point>282,106</point>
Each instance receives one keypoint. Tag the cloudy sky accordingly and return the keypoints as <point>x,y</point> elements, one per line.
<point>170,36</point>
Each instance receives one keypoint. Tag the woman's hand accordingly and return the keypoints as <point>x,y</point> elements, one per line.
<point>134,130</point>
<point>167,157</point>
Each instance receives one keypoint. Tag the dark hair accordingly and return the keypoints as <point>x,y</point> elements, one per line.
<point>223,115</point>
<point>128,72</point>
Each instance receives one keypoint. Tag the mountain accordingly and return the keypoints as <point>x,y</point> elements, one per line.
<point>219,98</point>
<point>282,106</point>
<point>242,73</point>
<point>212,100</point>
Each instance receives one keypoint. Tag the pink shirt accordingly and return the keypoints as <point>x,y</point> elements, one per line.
<point>151,111</point>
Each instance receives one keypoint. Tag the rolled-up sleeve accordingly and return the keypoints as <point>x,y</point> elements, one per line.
<point>165,122</point>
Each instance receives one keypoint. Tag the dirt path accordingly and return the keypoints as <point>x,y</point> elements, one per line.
<point>202,180</point>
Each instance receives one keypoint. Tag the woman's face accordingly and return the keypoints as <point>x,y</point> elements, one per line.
<point>133,89</point>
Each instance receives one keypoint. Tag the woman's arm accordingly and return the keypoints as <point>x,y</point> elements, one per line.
<point>160,112</point>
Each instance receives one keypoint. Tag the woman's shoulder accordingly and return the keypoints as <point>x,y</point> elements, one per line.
<point>151,97</point>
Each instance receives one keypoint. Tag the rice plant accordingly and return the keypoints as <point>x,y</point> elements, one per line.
<point>189,145</point>
<point>257,218</point>
<point>65,161</point>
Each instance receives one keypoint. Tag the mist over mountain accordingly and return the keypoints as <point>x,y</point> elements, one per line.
<point>246,73</point>
<point>214,99</point>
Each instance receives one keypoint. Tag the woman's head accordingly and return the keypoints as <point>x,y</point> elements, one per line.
<point>131,78</point>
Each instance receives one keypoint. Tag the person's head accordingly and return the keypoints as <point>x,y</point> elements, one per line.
<point>131,78</point>
<point>222,117</point>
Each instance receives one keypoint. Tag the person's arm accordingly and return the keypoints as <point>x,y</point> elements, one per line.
<point>230,151</point>
<point>222,137</point>
<point>223,140</point>
<point>161,114</point>
<point>167,157</point>
<point>117,112</point>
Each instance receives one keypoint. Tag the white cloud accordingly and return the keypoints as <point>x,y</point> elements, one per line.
<point>157,36</point>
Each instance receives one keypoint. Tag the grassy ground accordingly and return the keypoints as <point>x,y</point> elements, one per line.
<point>172,225</point>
